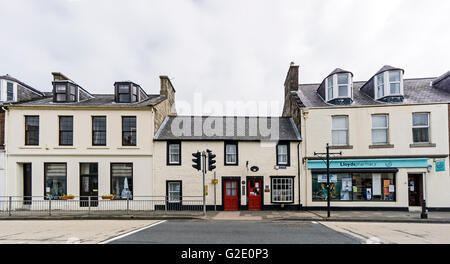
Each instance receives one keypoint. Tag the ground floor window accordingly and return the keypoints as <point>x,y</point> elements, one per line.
<point>282,190</point>
<point>355,187</point>
<point>122,180</point>
<point>174,191</point>
<point>55,177</point>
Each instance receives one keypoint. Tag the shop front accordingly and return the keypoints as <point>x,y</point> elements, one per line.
<point>366,183</point>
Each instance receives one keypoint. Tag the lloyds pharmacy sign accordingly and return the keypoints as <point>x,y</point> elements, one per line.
<point>369,163</point>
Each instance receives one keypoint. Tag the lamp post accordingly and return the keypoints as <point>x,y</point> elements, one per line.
<point>327,153</point>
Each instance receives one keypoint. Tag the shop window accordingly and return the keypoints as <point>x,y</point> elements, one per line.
<point>55,175</point>
<point>355,187</point>
<point>282,190</point>
<point>122,180</point>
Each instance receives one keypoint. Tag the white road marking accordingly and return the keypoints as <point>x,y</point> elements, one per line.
<point>373,240</point>
<point>314,222</point>
<point>130,233</point>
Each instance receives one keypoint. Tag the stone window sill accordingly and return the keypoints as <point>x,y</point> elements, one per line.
<point>342,147</point>
<point>30,147</point>
<point>65,147</point>
<point>132,147</point>
<point>97,147</point>
<point>384,146</point>
<point>422,145</point>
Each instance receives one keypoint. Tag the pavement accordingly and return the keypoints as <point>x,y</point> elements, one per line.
<point>340,216</point>
<point>65,232</point>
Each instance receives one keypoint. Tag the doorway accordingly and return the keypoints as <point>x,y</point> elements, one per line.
<point>254,195</point>
<point>415,189</point>
<point>231,194</point>
<point>88,184</point>
<point>27,183</point>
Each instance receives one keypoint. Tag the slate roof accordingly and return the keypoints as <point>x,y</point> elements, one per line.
<point>221,128</point>
<point>415,91</point>
<point>100,100</point>
<point>10,78</point>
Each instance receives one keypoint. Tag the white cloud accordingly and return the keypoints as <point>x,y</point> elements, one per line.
<point>228,50</point>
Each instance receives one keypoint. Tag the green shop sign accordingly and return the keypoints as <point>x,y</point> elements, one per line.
<point>369,163</point>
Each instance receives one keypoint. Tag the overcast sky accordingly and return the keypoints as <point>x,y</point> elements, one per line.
<point>219,50</point>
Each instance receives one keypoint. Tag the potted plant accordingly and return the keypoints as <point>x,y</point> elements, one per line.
<point>68,197</point>
<point>108,197</point>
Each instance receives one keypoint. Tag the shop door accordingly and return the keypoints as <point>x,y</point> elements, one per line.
<point>27,183</point>
<point>88,184</point>
<point>415,189</point>
<point>254,193</point>
<point>231,199</point>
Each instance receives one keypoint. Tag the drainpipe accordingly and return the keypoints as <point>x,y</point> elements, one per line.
<point>298,177</point>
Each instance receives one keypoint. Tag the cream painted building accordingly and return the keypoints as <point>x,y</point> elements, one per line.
<point>73,142</point>
<point>254,171</point>
<point>393,134</point>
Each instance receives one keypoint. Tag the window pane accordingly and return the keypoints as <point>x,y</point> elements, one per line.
<point>343,90</point>
<point>124,89</point>
<point>99,123</point>
<point>339,137</point>
<point>395,88</point>
<point>65,130</point>
<point>379,121</point>
<point>124,98</point>
<point>421,135</point>
<point>282,190</point>
<point>174,153</point>
<point>379,136</point>
<point>122,180</point>
<point>342,78</point>
<point>420,119</point>
<point>60,88</point>
<point>31,130</point>
<point>129,131</point>
<point>394,76</point>
<point>61,97</point>
<point>339,122</point>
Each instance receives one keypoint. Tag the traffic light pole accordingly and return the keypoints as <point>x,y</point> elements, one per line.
<point>203,186</point>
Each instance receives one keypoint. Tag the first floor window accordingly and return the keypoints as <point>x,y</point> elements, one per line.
<point>339,130</point>
<point>421,128</point>
<point>174,153</point>
<point>174,192</point>
<point>354,187</point>
<point>282,190</point>
<point>66,130</point>
<point>283,154</point>
<point>31,130</point>
<point>231,157</point>
<point>128,131</point>
<point>122,180</point>
<point>380,128</point>
<point>99,130</point>
<point>55,179</point>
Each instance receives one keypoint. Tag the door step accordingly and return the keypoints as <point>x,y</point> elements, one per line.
<point>415,209</point>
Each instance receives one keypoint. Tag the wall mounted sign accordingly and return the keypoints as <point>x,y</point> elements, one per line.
<point>254,168</point>
<point>369,163</point>
<point>440,165</point>
<point>267,188</point>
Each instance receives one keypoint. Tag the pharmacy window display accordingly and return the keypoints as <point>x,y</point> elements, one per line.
<point>354,187</point>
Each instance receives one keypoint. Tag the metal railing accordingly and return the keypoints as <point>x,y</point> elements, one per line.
<point>88,205</point>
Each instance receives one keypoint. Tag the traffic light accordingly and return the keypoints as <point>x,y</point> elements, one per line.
<point>211,160</point>
<point>197,161</point>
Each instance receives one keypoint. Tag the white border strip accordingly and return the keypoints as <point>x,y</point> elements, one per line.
<point>130,233</point>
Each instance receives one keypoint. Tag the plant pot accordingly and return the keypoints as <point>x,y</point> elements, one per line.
<point>107,197</point>
<point>68,197</point>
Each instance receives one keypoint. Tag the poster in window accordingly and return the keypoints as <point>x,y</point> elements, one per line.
<point>391,188</point>
<point>347,184</point>
<point>376,184</point>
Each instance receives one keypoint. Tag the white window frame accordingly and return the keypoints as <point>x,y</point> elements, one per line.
<point>387,84</point>
<point>169,192</point>
<point>427,127</point>
<point>386,129</point>
<point>171,154</point>
<point>329,98</point>
<point>347,85</point>
<point>280,154</point>
<point>231,154</point>
<point>399,82</point>
<point>340,129</point>
<point>378,85</point>
<point>278,194</point>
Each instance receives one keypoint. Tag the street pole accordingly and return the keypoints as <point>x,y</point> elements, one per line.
<point>203,186</point>
<point>424,214</point>
<point>215,209</point>
<point>328,181</point>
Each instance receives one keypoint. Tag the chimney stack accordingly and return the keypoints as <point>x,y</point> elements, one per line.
<point>291,82</point>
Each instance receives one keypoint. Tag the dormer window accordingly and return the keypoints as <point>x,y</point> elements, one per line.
<point>338,88</point>
<point>64,92</point>
<point>127,93</point>
<point>389,84</point>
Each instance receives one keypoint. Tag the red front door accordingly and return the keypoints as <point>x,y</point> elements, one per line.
<point>254,194</point>
<point>231,199</point>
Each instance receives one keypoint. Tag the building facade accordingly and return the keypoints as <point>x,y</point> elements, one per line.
<point>392,134</point>
<point>12,91</point>
<point>254,171</point>
<point>76,143</point>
